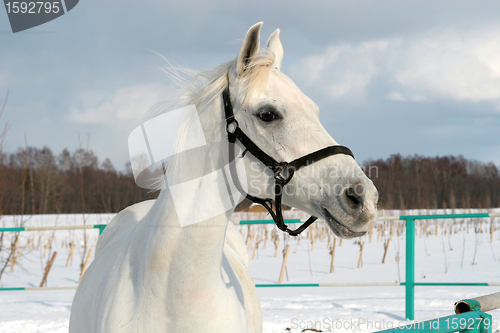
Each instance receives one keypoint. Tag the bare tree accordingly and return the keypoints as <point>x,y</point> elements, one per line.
<point>416,182</point>
<point>5,128</point>
<point>3,133</point>
<point>4,251</point>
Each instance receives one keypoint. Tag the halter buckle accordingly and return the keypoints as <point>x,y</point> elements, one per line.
<point>283,172</point>
<point>231,125</point>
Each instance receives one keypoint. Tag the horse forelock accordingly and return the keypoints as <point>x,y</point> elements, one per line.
<point>254,78</point>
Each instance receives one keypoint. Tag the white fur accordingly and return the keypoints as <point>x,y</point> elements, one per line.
<point>152,275</point>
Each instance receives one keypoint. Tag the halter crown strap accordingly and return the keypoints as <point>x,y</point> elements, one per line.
<point>283,171</point>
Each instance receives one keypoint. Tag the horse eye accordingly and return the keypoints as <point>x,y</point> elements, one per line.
<point>267,116</point>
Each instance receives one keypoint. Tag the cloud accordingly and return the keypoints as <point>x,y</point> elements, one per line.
<point>445,64</point>
<point>129,105</point>
<point>343,70</point>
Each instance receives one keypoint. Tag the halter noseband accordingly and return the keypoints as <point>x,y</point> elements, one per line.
<point>283,171</point>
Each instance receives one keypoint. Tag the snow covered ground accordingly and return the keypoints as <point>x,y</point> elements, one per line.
<point>466,255</point>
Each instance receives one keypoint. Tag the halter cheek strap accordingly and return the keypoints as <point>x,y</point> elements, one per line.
<point>283,171</point>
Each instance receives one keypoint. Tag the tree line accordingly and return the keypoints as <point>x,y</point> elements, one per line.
<point>417,182</point>
<point>36,181</point>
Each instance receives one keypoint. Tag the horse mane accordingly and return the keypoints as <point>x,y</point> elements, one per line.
<point>195,86</point>
<point>201,89</point>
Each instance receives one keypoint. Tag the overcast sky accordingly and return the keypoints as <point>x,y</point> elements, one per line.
<point>408,77</point>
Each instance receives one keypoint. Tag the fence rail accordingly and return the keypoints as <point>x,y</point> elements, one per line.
<point>62,227</point>
<point>307,285</point>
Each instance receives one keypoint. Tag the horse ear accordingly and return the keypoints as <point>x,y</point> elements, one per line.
<point>274,45</point>
<point>249,49</point>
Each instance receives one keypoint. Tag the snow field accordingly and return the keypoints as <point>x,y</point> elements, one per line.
<point>460,251</point>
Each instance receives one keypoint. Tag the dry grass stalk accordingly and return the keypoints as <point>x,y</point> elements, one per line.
<point>386,247</point>
<point>47,269</point>
<point>276,245</point>
<point>332,252</point>
<point>71,253</point>
<point>362,246</point>
<point>256,246</point>
<point>283,266</point>
<point>85,265</point>
<point>14,259</point>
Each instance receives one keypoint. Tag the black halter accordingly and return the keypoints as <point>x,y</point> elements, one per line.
<point>283,171</point>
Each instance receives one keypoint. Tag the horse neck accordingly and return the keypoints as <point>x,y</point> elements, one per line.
<point>193,251</point>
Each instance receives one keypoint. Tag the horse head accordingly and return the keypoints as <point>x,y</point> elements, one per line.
<point>284,123</point>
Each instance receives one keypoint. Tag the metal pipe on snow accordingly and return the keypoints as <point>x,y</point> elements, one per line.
<point>481,303</point>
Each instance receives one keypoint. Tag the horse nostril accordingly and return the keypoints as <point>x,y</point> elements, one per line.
<point>353,198</point>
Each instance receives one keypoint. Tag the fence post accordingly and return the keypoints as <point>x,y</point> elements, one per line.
<point>100,227</point>
<point>410,269</point>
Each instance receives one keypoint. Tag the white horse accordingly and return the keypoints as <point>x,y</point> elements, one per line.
<point>152,275</point>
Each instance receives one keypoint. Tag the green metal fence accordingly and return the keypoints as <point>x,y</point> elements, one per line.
<point>470,317</point>
<point>410,255</point>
